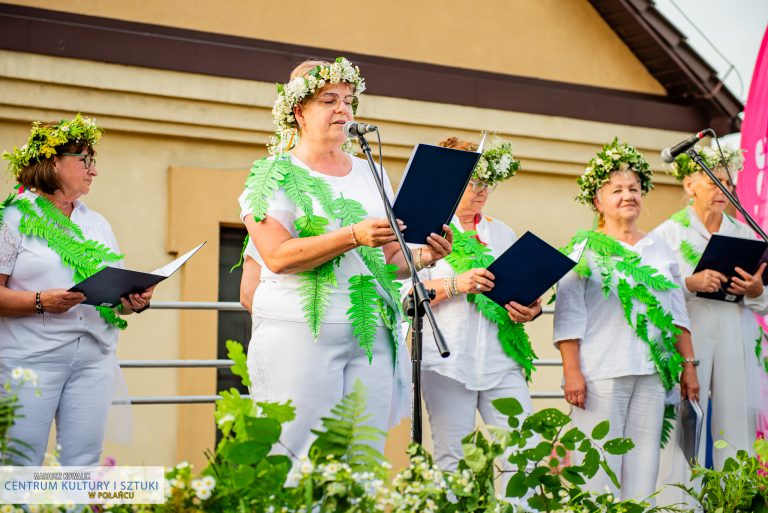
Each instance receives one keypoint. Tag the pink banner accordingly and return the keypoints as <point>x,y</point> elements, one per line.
<point>752,181</point>
<point>753,184</point>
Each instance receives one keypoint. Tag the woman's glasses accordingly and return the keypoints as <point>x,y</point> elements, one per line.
<point>87,160</point>
<point>480,186</point>
<point>331,100</point>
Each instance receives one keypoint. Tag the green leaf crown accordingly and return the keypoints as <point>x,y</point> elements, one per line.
<point>615,156</point>
<point>684,165</point>
<point>496,164</point>
<point>299,88</point>
<point>44,139</point>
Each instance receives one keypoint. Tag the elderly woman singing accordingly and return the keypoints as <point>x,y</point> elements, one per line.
<point>620,321</point>
<point>325,313</point>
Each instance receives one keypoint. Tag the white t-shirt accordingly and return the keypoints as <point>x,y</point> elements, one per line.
<point>277,296</point>
<point>477,359</point>
<point>609,347</point>
<point>32,266</point>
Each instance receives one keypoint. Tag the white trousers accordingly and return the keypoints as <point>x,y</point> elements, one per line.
<point>75,383</point>
<point>634,406</point>
<point>720,339</point>
<point>452,409</point>
<point>285,363</point>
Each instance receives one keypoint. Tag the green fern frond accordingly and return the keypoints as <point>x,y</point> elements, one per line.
<point>646,275</point>
<point>315,295</point>
<point>310,225</point>
<point>324,195</point>
<point>348,211</point>
<point>299,185</point>
<point>667,424</point>
<point>362,312</point>
<point>110,317</point>
<point>681,217</point>
<point>346,438</point>
<point>6,203</point>
<point>242,254</point>
<point>689,253</point>
<point>262,183</point>
<point>759,343</point>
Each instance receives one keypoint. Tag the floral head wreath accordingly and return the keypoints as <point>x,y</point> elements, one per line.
<point>294,92</point>
<point>44,139</point>
<point>614,157</point>
<point>496,164</point>
<point>732,158</point>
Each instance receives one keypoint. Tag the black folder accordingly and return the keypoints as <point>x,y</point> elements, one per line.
<point>525,271</point>
<point>106,287</point>
<point>723,254</point>
<point>433,183</point>
<point>691,419</point>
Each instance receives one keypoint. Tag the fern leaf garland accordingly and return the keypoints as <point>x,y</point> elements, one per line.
<point>469,253</point>
<point>84,256</point>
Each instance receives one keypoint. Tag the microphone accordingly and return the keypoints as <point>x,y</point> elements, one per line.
<point>354,129</point>
<point>668,154</point>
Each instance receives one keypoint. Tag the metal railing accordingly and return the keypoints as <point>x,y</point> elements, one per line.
<point>223,363</point>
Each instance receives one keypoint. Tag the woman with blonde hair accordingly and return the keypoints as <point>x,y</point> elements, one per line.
<point>620,321</point>
<point>326,311</point>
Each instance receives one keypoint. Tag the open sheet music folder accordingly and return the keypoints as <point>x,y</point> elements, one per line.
<point>525,271</point>
<point>433,183</point>
<point>723,254</point>
<point>106,287</point>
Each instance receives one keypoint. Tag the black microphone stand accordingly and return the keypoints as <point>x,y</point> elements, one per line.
<point>416,305</point>
<point>734,201</point>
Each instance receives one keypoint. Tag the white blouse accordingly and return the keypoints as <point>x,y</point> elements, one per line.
<point>608,345</point>
<point>697,235</point>
<point>32,266</point>
<point>477,359</point>
<point>277,296</point>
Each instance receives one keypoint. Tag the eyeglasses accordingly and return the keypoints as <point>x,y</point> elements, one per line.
<point>331,100</point>
<point>87,160</point>
<point>480,186</point>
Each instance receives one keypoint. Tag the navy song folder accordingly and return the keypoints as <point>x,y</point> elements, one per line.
<point>525,271</point>
<point>433,183</point>
<point>723,254</point>
<point>106,287</point>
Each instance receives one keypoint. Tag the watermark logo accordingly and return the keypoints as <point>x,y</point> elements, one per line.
<point>82,485</point>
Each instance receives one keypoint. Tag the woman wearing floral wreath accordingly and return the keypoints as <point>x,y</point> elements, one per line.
<point>326,311</point>
<point>725,335</point>
<point>620,321</point>
<point>491,355</point>
<point>49,240</point>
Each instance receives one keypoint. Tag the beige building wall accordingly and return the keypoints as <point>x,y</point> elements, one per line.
<point>171,165</point>
<point>561,40</point>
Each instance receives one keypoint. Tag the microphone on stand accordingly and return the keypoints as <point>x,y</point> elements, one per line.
<point>668,154</point>
<point>355,129</point>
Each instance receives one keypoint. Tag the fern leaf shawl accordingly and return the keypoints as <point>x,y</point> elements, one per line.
<point>57,252</point>
<point>624,304</point>
<point>308,204</point>
<point>485,344</point>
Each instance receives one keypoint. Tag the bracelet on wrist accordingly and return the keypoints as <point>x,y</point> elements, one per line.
<point>352,232</point>
<point>39,303</point>
<point>694,361</point>
<point>447,285</point>
<point>454,288</point>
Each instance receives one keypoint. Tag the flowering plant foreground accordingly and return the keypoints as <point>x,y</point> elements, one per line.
<point>251,471</point>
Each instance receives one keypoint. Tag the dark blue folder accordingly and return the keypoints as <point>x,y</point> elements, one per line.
<point>433,183</point>
<point>723,254</point>
<point>525,271</point>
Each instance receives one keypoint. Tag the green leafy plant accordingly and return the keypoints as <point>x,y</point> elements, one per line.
<point>11,449</point>
<point>742,484</point>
